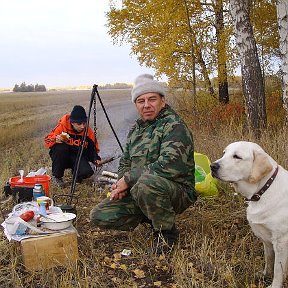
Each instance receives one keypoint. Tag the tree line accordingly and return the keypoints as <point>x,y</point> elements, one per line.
<point>116,86</point>
<point>29,88</point>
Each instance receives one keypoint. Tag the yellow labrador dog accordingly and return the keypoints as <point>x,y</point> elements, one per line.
<point>264,184</point>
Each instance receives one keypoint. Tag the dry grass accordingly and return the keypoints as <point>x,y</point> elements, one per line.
<point>216,248</point>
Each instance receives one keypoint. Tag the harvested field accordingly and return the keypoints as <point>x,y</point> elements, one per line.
<point>216,248</point>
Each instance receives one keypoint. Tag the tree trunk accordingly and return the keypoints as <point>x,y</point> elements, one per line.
<point>221,54</point>
<point>204,71</point>
<point>196,51</point>
<point>252,79</point>
<point>282,16</point>
<point>192,53</point>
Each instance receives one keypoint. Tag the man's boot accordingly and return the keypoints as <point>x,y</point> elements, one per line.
<point>146,220</point>
<point>165,240</point>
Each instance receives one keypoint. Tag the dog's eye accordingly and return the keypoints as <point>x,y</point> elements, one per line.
<point>235,156</point>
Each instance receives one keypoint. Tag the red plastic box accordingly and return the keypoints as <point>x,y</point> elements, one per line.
<point>29,182</point>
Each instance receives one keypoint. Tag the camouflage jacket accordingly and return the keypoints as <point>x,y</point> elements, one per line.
<point>162,147</point>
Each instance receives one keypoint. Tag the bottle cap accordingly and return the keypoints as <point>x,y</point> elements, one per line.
<point>38,186</point>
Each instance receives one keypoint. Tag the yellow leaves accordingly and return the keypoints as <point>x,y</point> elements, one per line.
<point>160,266</point>
<point>118,266</point>
<point>107,259</point>
<point>139,273</point>
<point>123,267</point>
<point>264,21</point>
<point>157,283</point>
<point>114,263</point>
<point>113,266</point>
<point>117,256</point>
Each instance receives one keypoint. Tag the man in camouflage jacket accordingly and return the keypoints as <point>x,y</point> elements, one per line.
<point>156,171</point>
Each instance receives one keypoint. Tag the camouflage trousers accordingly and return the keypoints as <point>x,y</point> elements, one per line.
<point>152,197</point>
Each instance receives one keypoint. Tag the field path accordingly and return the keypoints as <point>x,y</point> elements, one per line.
<point>122,115</point>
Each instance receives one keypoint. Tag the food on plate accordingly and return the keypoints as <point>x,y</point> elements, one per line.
<point>58,221</point>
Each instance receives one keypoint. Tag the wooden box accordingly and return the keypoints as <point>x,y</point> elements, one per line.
<point>50,251</point>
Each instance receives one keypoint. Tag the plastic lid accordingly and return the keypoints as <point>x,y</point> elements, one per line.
<point>38,186</point>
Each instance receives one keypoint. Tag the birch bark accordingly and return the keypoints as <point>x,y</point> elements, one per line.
<point>252,79</point>
<point>282,18</point>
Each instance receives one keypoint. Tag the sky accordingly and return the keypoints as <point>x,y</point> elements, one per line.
<point>61,43</point>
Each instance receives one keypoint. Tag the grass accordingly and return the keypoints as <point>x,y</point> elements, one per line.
<point>216,246</point>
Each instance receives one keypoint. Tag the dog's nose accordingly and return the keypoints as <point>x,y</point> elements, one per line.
<point>214,167</point>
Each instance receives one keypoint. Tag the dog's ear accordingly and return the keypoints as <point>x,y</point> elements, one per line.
<point>260,168</point>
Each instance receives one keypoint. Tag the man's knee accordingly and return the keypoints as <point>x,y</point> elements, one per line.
<point>85,170</point>
<point>149,184</point>
<point>100,217</point>
<point>124,223</point>
<point>97,219</point>
<point>59,150</point>
<point>108,215</point>
<point>160,197</point>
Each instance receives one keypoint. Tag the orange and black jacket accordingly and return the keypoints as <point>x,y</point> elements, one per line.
<point>91,146</point>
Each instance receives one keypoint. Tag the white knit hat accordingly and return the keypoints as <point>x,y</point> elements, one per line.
<point>145,84</point>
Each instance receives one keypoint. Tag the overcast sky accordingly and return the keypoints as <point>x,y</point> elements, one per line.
<point>61,43</point>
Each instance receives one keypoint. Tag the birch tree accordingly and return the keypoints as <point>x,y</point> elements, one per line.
<point>282,17</point>
<point>252,79</point>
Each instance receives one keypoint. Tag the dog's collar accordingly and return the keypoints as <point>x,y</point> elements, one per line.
<point>257,196</point>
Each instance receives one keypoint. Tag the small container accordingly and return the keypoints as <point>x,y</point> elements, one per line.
<point>38,191</point>
<point>11,224</point>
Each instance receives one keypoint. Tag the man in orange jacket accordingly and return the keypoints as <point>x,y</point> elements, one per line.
<point>64,142</point>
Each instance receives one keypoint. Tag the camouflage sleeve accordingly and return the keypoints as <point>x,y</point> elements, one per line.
<point>125,162</point>
<point>174,159</point>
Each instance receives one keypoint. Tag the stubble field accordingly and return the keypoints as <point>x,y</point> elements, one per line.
<point>216,246</point>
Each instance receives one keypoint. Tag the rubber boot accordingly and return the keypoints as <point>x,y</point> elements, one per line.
<point>165,240</point>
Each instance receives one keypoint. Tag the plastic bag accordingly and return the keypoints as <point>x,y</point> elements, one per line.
<point>199,174</point>
<point>205,184</point>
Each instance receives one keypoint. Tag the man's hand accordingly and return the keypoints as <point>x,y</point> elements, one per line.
<point>98,163</point>
<point>119,189</point>
<point>59,139</point>
<point>63,137</point>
